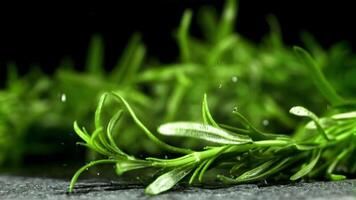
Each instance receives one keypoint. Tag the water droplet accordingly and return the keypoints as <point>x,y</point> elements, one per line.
<point>235,109</point>
<point>265,182</point>
<point>265,122</point>
<point>63,97</point>
<point>98,174</point>
<point>62,143</point>
<point>234,79</point>
<point>166,157</point>
<point>87,169</point>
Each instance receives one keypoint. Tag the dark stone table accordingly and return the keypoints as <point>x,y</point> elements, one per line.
<point>18,187</point>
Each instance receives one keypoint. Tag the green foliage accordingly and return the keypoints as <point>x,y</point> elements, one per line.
<point>244,159</point>
<point>35,105</point>
<point>258,83</point>
<point>247,154</point>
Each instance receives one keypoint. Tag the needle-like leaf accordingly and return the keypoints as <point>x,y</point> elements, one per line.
<point>308,167</point>
<point>168,180</point>
<point>203,132</point>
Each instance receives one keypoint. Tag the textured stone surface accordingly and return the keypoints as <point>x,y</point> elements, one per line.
<point>16,187</point>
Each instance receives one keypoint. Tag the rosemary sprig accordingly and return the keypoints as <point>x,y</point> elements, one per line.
<point>249,159</point>
<point>235,71</point>
<point>247,153</point>
<point>260,159</point>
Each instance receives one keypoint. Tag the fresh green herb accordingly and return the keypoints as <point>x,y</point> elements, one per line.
<point>259,82</point>
<point>247,153</point>
<point>261,159</point>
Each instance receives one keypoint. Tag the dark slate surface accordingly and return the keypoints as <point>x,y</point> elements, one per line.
<point>16,187</point>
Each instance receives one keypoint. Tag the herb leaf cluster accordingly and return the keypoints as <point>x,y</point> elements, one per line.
<point>241,153</point>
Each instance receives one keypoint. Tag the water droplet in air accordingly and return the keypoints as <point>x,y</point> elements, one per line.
<point>166,157</point>
<point>265,122</point>
<point>98,174</point>
<point>235,109</point>
<point>63,97</point>
<point>234,79</point>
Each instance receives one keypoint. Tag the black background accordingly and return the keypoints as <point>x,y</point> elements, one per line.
<point>44,34</point>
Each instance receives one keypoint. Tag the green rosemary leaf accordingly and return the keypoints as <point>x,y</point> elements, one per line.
<point>308,166</point>
<point>136,62</point>
<point>208,21</point>
<point>197,171</point>
<point>207,118</point>
<point>251,174</point>
<point>82,134</point>
<point>227,21</point>
<point>85,168</point>
<point>183,40</point>
<point>303,112</point>
<point>148,132</point>
<point>220,48</point>
<point>323,122</point>
<point>235,129</point>
<point>95,59</point>
<point>168,180</point>
<point>177,96</point>
<point>319,80</point>
<point>125,62</point>
<point>336,161</point>
<point>95,134</point>
<point>275,32</point>
<point>254,133</point>
<point>337,177</point>
<point>203,132</point>
<point>267,169</point>
<point>167,72</point>
<point>98,111</point>
<point>237,167</point>
<point>341,116</point>
<point>113,121</point>
<point>226,180</point>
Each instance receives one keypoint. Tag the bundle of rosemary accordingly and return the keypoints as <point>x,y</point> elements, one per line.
<point>234,71</point>
<point>321,148</point>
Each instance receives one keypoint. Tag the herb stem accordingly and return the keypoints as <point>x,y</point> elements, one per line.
<point>197,157</point>
<point>85,167</point>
